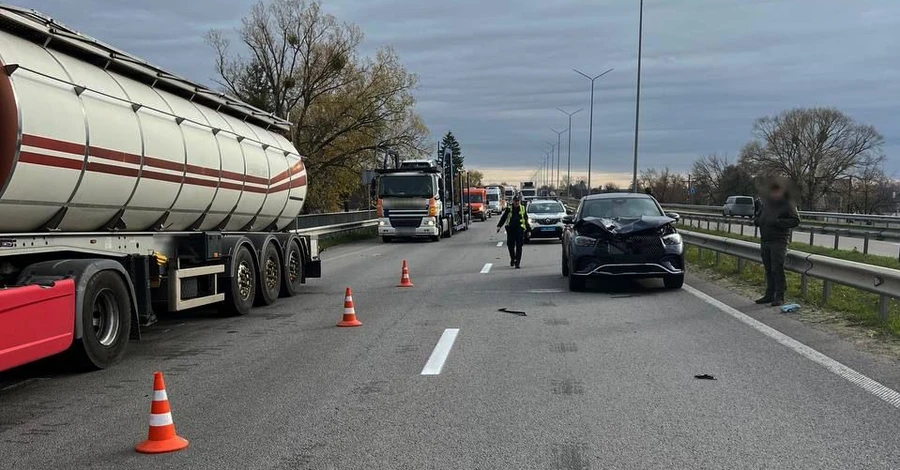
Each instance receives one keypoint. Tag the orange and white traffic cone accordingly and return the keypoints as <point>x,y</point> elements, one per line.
<point>161,437</point>
<point>404,277</point>
<point>349,311</point>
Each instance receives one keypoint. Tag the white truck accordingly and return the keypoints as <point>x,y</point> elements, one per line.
<point>528,190</point>
<point>125,189</point>
<point>409,202</point>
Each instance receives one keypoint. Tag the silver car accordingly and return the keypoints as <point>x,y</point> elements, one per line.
<point>738,205</point>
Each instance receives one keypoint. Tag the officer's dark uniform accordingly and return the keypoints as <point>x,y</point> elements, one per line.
<point>516,221</point>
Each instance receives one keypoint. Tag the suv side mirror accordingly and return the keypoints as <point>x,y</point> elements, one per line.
<point>568,220</point>
<point>673,215</point>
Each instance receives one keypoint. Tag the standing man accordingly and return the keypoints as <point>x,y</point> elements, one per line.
<point>775,218</point>
<point>517,226</point>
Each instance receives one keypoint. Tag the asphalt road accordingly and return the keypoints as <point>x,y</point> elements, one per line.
<point>594,380</point>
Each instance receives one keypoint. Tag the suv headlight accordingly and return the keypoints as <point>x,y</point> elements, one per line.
<point>672,239</point>
<point>531,221</point>
<point>582,240</point>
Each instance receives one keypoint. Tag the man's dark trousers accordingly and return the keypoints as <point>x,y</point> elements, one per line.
<point>514,241</point>
<point>773,254</point>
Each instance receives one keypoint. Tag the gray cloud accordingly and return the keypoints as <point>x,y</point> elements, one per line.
<point>494,71</point>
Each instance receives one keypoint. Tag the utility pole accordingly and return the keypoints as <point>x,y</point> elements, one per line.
<point>591,125</point>
<point>569,149</point>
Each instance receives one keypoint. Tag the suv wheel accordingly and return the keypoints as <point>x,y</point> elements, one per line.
<point>673,281</point>
<point>577,283</point>
<point>565,265</point>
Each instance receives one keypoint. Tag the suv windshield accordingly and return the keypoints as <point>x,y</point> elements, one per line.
<point>545,208</point>
<point>406,186</point>
<point>620,208</point>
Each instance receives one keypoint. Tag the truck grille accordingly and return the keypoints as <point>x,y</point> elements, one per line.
<point>408,222</point>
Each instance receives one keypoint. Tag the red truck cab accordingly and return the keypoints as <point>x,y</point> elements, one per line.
<point>476,198</point>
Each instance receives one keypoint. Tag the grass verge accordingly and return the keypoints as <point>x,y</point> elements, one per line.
<point>347,237</point>
<point>845,304</point>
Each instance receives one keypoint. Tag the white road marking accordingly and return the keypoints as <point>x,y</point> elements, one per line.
<point>441,351</point>
<point>543,291</point>
<point>499,243</point>
<point>864,382</point>
<point>487,268</point>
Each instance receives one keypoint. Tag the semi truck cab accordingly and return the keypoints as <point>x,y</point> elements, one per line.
<point>409,204</point>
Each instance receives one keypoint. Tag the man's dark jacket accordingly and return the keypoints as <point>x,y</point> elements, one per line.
<point>775,220</point>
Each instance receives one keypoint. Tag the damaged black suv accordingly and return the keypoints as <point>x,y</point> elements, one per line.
<point>622,234</point>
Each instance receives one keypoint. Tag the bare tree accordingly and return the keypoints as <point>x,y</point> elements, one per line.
<point>707,173</point>
<point>303,65</point>
<point>811,146</point>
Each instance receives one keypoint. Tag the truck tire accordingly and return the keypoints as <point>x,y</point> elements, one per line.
<point>293,270</point>
<point>449,232</point>
<point>270,271</point>
<point>387,239</point>
<point>240,292</point>
<point>105,320</point>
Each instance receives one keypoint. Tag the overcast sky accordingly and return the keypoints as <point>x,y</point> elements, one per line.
<point>494,71</point>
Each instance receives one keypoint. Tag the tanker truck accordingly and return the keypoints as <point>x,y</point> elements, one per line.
<point>126,190</point>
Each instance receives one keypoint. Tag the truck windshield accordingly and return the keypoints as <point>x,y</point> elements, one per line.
<point>620,208</point>
<point>528,192</point>
<point>473,198</point>
<point>493,197</point>
<point>406,186</point>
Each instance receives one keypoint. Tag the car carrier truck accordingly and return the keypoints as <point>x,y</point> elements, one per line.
<point>125,190</point>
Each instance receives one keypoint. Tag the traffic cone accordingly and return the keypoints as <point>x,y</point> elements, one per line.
<point>349,311</point>
<point>161,437</point>
<point>404,278</point>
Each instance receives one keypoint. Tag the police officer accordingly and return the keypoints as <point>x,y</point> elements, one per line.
<point>517,226</point>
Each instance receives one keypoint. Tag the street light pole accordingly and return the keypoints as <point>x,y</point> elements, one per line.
<point>637,103</point>
<point>558,146</point>
<point>591,128</point>
<point>550,166</point>
<point>569,149</point>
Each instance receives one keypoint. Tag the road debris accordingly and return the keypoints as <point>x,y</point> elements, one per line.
<point>514,312</point>
<point>705,377</point>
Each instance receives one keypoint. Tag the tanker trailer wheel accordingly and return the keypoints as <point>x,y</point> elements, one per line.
<point>240,292</point>
<point>293,271</point>
<point>270,275</point>
<point>106,313</point>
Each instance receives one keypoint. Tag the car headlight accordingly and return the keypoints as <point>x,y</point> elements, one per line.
<point>672,239</point>
<point>531,221</point>
<point>582,240</point>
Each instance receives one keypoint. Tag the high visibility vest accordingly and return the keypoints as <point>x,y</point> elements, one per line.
<point>521,221</point>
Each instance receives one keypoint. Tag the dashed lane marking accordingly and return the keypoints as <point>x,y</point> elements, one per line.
<point>441,350</point>
<point>499,243</point>
<point>862,381</point>
<point>487,268</point>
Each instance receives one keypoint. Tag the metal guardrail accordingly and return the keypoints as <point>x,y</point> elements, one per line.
<point>307,221</point>
<point>884,282</point>
<point>834,217</point>
<point>722,221</point>
<point>337,228</point>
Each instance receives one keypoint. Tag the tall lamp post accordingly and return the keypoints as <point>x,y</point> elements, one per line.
<point>550,166</point>
<point>569,148</point>
<point>558,146</point>
<point>637,102</point>
<point>591,128</point>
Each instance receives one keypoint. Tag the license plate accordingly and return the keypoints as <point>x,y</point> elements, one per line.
<point>548,229</point>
